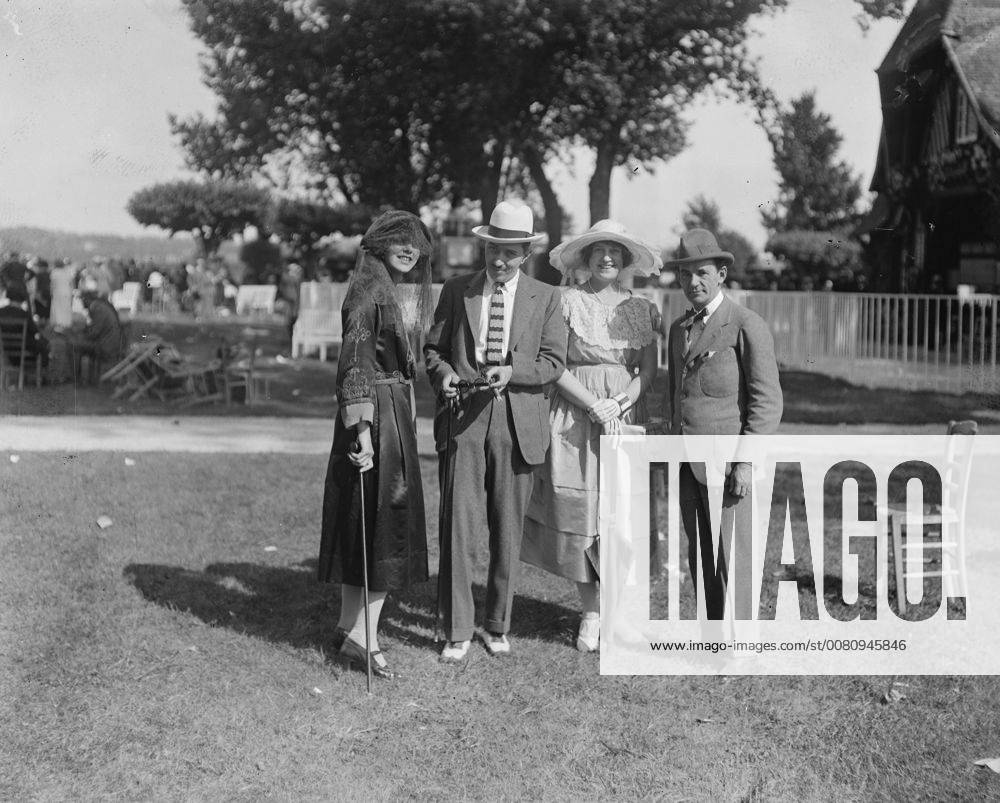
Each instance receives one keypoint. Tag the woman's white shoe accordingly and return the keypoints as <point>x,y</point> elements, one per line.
<point>588,639</point>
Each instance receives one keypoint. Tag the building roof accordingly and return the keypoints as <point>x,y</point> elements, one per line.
<point>972,36</point>
<point>921,31</point>
<point>968,31</point>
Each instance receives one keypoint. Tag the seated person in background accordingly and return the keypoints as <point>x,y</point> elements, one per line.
<point>13,313</point>
<point>42,297</point>
<point>15,275</point>
<point>103,338</point>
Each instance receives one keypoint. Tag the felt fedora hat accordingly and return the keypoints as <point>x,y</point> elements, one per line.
<point>698,245</point>
<point>568,256</point>
<point>509,223</point>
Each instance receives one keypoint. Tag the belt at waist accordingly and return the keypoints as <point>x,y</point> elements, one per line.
<point>626,368</point>
<point>395,378</point>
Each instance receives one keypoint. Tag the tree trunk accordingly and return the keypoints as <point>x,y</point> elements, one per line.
<point>203,242</point>
<point>553,215</point>
<point>600,182</point>
<point>489,187</point>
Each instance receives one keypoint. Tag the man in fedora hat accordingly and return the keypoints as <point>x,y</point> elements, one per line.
<point>502,326</point>
<point>723,380</point>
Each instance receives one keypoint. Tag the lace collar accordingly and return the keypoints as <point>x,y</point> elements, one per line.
<point>627,324</point>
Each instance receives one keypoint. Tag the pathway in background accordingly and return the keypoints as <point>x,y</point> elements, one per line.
<point>91,433</point>
<point>162,434</point>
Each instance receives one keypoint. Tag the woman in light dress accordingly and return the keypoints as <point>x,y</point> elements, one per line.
<point>610,363</point>
<point>61,277</point>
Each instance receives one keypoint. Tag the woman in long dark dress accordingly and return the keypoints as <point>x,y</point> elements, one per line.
<point>388,299</point>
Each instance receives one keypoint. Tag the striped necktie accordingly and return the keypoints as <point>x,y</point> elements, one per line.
<point>494,334</point>
<point>693,328</point>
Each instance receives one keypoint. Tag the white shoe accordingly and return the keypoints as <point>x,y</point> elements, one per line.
<point>455,651</point>
<point>496,644</point>
<point>588,639</point>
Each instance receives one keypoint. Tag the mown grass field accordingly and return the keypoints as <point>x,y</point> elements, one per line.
<point>172,656</point>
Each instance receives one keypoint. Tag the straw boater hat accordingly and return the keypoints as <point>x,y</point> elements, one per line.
<point>698,245</point>
<point>509,223</point>
<point>568,256</point>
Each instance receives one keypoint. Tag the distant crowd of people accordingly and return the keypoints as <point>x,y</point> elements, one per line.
<point>36,299</point>
<point>70,305</point>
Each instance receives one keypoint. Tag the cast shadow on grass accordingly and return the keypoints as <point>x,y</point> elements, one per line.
<point>287,605</point>
<point>814,398</point>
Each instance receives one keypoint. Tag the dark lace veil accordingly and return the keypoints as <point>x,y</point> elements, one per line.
<point>374,280</point>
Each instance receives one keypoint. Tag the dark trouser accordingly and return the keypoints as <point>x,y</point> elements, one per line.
<point>734,531</point>
<point>489,474</point>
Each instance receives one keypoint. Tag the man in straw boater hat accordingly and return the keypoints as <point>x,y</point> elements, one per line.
<point>723,380</point>
<point>497,341</point>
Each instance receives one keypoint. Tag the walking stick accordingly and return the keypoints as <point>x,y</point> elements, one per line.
<point>447,491</point>
<point>364,572</point>
<point>444,516</point>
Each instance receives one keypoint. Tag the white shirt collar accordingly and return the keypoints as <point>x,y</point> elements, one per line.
<point>713,305</point>
<point>509,286</point>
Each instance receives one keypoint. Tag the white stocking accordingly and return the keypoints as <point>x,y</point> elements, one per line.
<point>356,628</point>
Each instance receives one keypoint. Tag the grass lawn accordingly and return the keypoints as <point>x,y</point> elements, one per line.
<point>173,656</point>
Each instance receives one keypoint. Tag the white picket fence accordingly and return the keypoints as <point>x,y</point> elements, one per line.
<point>876,339</point>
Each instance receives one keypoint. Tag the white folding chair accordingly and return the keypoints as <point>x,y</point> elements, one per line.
<point>941,551</point>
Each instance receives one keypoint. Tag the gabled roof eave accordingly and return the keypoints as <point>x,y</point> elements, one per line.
<point>984,124</point>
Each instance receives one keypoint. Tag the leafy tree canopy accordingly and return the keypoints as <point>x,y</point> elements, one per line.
<point>400,102</point>
<point>815,255</point>
<point>816,190</point>
<point>261,258</point>
<point>303,224</point>
<point>703,213</point>
<point>212,211</point>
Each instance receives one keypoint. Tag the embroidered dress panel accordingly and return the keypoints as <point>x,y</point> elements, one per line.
<point>494,334</point>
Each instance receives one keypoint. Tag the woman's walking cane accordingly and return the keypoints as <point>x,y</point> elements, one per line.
<point>364,571</point>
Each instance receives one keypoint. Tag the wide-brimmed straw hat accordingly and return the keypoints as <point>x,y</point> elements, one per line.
<point>699,245</point>
<point>509,223</point>
<point>568,256</point>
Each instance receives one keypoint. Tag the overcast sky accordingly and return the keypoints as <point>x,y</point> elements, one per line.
<point>86,86</point>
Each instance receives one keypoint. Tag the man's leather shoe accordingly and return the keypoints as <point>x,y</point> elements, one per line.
<point>496,643</point>
<point>455,651</point>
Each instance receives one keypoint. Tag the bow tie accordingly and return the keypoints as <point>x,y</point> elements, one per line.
<point>694,317</point>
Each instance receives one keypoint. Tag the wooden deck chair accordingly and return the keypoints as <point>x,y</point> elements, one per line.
<point>134,374</point>
<point>229,378</point>
<point>177,377</point>
<point>942,548</point>
<point>239,382</point>
<point>135,353</point>
<point>15,354</point>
